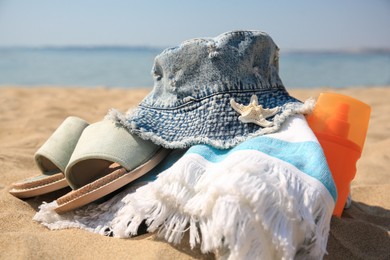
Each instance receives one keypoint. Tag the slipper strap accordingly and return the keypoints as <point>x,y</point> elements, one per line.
<point>102,144</point>
<point>53,156</point>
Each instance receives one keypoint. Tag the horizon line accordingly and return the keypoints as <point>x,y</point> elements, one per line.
<point>160,48</point>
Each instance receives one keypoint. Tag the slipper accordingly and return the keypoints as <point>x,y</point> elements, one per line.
<point>106,158</point>
<point>52,159</point>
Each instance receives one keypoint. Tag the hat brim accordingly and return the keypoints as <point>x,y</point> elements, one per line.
<point>210,120</point>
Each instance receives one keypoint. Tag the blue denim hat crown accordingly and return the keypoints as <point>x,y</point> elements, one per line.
<point>196,85</point>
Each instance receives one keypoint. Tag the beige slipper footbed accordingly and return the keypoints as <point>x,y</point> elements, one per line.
<point>39,185</point>
<point>116,179</point>
<point>52,158</point>
<point>106,158</point>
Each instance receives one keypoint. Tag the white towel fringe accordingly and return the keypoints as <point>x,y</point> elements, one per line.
<point>264,211</point>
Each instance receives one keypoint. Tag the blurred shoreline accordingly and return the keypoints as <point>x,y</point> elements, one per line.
<point>130,66</point>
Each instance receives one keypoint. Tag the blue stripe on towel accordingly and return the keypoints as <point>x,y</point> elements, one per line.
<point>308,157</point>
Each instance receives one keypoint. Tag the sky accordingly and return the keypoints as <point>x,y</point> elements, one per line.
<point>296,25</point>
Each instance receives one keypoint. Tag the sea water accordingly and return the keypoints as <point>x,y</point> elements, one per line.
<point>130,67</point>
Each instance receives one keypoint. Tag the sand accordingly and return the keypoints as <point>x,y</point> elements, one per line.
<point>28,116</point>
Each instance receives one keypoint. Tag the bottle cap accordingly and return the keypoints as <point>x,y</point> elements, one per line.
<point>341,116</point>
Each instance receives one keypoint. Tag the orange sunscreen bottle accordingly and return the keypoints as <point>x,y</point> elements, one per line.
<point>340,124</point>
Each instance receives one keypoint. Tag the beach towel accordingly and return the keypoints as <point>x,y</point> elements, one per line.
<point>270,197</point>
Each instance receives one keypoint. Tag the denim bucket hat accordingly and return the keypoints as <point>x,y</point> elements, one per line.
<point>218,91</point>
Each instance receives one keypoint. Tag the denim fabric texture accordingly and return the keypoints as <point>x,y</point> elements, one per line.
<point>194,83</point>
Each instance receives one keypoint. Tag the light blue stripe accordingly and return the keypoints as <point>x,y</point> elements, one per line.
<point>308,157</point>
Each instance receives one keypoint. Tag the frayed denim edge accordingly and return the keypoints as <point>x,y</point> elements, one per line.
<point>288,110</point>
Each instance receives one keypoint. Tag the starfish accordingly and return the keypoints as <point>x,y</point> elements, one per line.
<point>254,113</point>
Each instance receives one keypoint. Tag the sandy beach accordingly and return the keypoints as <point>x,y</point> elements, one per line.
<point>28,116</point>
